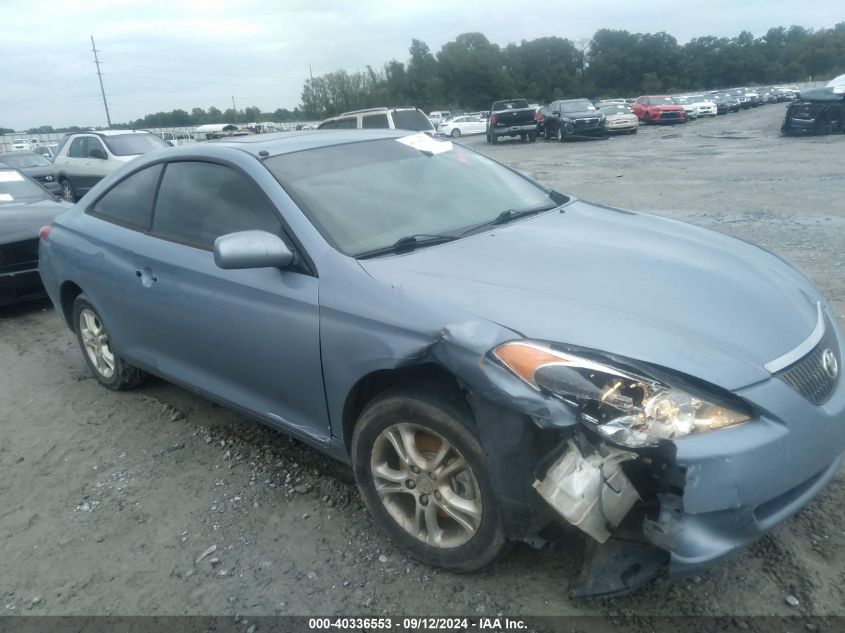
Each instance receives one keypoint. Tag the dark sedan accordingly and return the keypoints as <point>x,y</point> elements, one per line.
<point>25,207</point>
<point>36,167</point>
<point>571,118</point>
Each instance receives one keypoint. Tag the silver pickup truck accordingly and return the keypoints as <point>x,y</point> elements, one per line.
<point>512,117</point>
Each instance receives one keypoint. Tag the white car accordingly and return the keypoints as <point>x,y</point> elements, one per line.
<point>85,158</point>
<point>463,125</point>
<point>438,116</point>
<point>177,138</point>
<point>690,109</point>
<point>704,105</point>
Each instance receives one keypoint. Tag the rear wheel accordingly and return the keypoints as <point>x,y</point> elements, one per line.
<point>68,194</point>
<point>423,477</point>
<point>532,136</point>
<point>493,138</point>
<point>108,367</point>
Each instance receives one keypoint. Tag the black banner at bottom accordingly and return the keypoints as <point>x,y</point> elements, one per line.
<point>418,623</point>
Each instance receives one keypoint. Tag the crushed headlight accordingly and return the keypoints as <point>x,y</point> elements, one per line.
<point>629,409</point>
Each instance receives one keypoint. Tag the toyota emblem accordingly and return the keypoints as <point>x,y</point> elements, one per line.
<point>830,364</point>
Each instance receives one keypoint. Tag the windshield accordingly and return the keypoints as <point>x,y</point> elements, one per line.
<point>15,188</point>
<point>614,109</point>
<point>365,196</point>
<point>133,144</point>
<point>662,101</point>
<point>411,120</point>
<point>22,161</point>
<point>513,104</point>
<point>577,106</point>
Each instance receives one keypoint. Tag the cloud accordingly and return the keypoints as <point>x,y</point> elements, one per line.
<point>160,54</point>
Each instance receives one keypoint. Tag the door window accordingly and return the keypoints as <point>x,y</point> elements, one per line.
<point>347,124</point>
<point>78,148</point>
<point>198,202</point>
<point>372,121</point>
<point>130,202</point>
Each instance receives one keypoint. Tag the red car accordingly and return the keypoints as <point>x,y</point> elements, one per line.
<point>659,109</point>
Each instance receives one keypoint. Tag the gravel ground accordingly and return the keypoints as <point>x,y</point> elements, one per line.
<point>108,501</point>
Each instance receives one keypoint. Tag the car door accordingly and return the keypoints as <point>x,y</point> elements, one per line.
<point>100,165</point>
<point>75,165</point>
<point>120,219</point>
<point>475,125</point>
<point>248,337</point>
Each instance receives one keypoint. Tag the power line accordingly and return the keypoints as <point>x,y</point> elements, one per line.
<point>100,77</point>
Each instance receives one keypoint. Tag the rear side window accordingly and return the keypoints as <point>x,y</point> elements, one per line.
<point>198,202</point>
<point>346,124</point>
<point>134,144</point>
<point>373,121</point>
<point>411,120</point>
<point>130,202</point>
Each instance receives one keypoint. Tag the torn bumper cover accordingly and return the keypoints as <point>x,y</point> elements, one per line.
<point>689,499</point>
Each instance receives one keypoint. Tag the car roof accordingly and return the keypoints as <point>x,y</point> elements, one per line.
<point>109,132</point>
<point>288,142</point>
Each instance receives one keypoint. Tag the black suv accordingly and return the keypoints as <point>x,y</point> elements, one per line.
<point>569,118</point>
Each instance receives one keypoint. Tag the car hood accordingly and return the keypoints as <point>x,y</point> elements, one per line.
<point>38,171</point>
<point>23,221</point>
<point>631,284</point>
<point>669,107</point>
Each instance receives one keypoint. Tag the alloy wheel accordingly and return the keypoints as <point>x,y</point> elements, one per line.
<point>426,485</point>
<point>96,342</point>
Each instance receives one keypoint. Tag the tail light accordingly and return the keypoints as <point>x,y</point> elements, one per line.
<point>43,232</point>
<point>493,120</point>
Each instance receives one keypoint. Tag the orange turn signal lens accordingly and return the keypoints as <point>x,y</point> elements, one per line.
<point>524,359</point>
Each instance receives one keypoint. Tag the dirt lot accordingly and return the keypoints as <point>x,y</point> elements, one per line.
<point>107,500</point>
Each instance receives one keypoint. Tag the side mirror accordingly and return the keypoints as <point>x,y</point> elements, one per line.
<point>170,143</point>
<point>251,249</point>
<point>97,153</point>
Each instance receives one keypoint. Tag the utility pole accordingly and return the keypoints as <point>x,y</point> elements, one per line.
<point>100,77</point>
<point>310,73</point>
<point>234,111</point>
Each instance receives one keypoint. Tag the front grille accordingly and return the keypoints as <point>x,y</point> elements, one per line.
<point>809,376</point>
<point>585,122</point>
<point>670,114</point>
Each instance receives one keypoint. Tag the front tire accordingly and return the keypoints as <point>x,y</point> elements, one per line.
<point>423,477</point>
<point>455,133</point>
<point>68,194</point>
<point>108,367</point>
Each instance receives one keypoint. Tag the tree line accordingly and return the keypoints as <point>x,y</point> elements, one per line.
<point>470,72</point>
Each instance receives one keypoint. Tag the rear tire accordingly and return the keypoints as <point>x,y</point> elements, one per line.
<point>532,136</point>
<point>493,138</point>
<point>108,367</point>
<point>463,531</point>
<point>68,194</point>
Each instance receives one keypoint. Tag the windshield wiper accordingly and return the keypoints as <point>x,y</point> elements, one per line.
<point>509,215</point>
<point>409,243</point>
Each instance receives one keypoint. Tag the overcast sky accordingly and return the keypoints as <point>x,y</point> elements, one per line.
<point>165,54</point>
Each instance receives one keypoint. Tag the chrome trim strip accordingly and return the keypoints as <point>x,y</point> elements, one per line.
<point>804,348</point>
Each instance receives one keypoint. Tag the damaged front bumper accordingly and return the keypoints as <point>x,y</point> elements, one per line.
<point>705,497</point>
